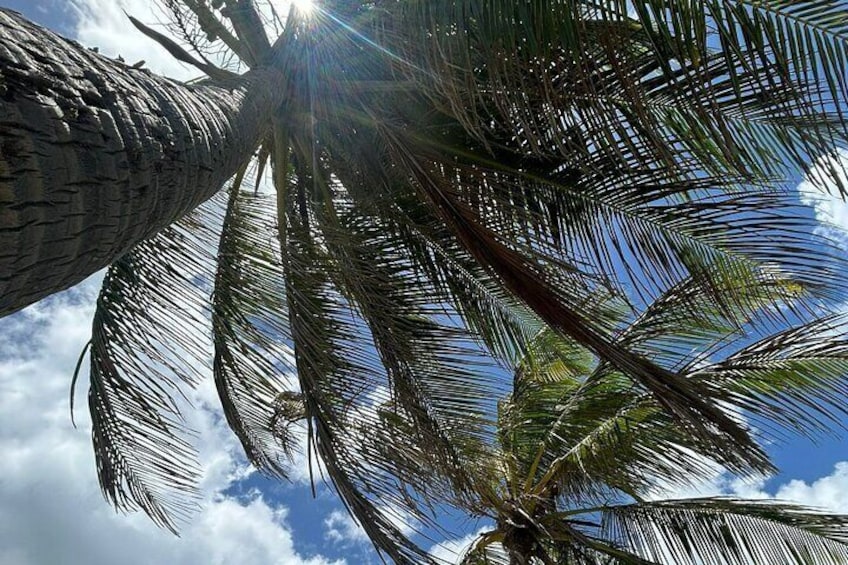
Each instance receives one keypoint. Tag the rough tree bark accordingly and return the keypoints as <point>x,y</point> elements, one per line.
<point>96,155</point>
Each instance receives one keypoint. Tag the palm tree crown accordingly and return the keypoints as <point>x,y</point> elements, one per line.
<point>579,459</point>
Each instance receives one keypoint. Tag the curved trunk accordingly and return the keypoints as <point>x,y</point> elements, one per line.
<point>96,155</point>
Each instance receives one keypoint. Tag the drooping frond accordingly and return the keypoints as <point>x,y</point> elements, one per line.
<point>253,367</point>
<point>423,358</point>
<point>341,383</point>
<point>452,275</point>
<point>147,346</point>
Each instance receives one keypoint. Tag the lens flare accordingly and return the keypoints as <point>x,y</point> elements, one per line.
<point>305,7</point>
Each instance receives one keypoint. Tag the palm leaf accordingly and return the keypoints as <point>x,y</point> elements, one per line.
<point>147,346</point>
<point>341,382</point>
<point>252,365</point>
<point>726,531</point>
<point>606,73</point>
<point>423,359</point>
<point>682,398</point>
<point>795,378</point>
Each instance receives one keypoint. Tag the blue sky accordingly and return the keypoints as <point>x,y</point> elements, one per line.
<point>51,510</point>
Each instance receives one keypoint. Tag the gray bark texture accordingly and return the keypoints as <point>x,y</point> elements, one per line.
<point>96,156</point>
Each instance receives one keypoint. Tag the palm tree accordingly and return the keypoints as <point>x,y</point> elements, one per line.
<point>579,456</point>
<point>449,179</point>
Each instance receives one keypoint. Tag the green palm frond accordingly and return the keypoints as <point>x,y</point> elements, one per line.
<point>686,326</point>
<point>588,440</point>
<point>794,379</point>
<point>603,431</point>
<point>570,441</point>
<point>726,531</point>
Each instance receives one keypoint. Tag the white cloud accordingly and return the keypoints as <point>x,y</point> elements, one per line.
<point>103,24</point>
<point>451,550</point>
<point>820,191</point>
<point>343,529</point>
<point>829,493</point>
<point>51,509</point>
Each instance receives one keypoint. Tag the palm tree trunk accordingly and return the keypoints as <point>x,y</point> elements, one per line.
<point>96,156</point>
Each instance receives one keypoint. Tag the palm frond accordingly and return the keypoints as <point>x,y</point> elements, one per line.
<point>452,275</point>
<point>423,359</point>
<point>725,531</point>
<point>685,327</point>
<point>797,378</point>
<point>683,398</point>
<point>642,230</point>
<point>734,85</point>
<point>586,440</point>
<point>342,383</point>
<point>252,365</point>
<point>147,346</point>
<point>484,552</point>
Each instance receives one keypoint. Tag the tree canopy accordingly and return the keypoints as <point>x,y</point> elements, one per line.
<point>454,184</point>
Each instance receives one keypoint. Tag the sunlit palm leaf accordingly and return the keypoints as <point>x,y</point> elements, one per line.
<point>483,554</point>
<point>795,379</point>
<point>685,327</point>
<point>605,431</point>
<point>587,440</point>
<point>726,531</point>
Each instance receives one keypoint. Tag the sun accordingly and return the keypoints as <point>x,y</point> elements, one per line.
<point>305,7</point>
